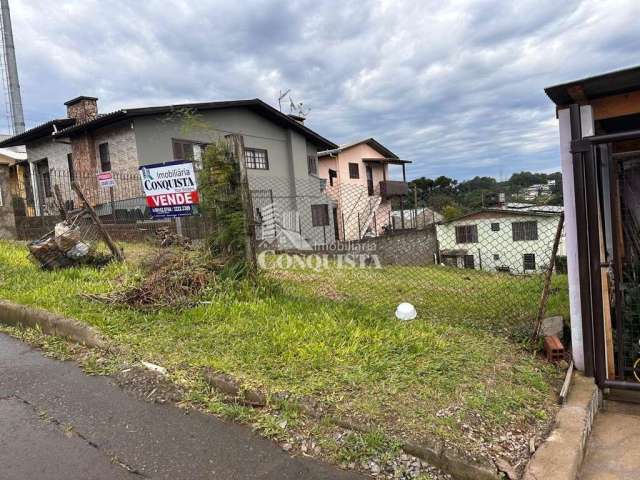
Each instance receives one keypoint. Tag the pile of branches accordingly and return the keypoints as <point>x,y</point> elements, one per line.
<point>170,279</point>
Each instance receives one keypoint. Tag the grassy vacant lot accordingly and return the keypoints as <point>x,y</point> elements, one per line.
<point>331,336</point>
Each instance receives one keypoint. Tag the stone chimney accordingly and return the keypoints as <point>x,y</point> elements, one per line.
<point>82,108</point>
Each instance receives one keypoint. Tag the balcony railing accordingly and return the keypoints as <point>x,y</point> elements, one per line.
<point>393,188</point>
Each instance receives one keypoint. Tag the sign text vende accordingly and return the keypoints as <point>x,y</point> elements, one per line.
<point>171,199</point>
<point>170,188</point>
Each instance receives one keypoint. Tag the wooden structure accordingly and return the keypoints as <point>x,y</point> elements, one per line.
<point>600,149</point>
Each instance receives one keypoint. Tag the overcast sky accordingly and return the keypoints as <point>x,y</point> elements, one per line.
<point>455,87</point>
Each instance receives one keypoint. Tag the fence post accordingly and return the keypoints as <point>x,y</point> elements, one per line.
<point>245,193</point>
<point>547,280</point>
<point>112,201</point>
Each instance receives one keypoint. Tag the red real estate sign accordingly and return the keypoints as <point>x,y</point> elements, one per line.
<point>173,199</point>
<point>170,188</point>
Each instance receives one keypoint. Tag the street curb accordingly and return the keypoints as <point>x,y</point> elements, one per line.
<point>436,454</point>
<point>561,455</point>
<point>13,314</point>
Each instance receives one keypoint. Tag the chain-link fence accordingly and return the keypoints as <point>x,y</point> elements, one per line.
<point>376,244</point>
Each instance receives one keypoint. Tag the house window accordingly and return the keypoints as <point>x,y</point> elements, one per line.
<point>72,172</point>
<point>495,227</point>
<point>256,159</point>
<point>467,234</point>
<point>524,231</point>
<point>189,151</point>
<point>469,261</point>
<point>258,216</point>
<point>354,170</point>
<point>320,215</point>
<point>332,174</point>
<point>529,261</point>
<point>105,160</point>
<point>312,165</point>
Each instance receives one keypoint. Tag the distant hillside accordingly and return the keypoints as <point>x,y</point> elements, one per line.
<point>451,197</point>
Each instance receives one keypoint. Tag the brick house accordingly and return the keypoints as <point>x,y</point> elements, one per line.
<point>280,152</point>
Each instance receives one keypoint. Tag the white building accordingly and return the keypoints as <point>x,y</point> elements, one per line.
<point>499,240</point>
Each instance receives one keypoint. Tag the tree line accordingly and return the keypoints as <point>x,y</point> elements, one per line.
<point>452,198</point>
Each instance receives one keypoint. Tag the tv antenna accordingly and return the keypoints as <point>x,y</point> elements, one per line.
<point>298,109</point>
<point>281,97</point>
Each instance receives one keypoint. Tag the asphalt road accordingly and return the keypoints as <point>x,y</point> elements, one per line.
<point>58,423</point>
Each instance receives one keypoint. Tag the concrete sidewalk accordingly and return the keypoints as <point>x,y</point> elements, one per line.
<point>613,450</point>
<point>58,423</point>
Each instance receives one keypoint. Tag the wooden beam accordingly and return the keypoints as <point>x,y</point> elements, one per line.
<point>544,297</point>
<point>576,92</point>
<point>115,250</point>
<point>616,106</point>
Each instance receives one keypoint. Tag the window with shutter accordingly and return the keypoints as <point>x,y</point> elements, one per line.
<point>529,261</point>
<point>256,158</point>
<point>320,215</point>
<point>354,170</point>
<point>312,165</point>
<point>523,231</point>
<point>467,234</point>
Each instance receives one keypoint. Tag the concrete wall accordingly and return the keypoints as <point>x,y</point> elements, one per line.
<point>154,138</point>
<point>490,243</point>
<point>287,180</point>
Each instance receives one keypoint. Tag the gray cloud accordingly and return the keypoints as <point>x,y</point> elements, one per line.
<point>455,87</point>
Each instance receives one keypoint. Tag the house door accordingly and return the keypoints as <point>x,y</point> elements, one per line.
<point>469,261</point>
<point>336,227</point>
<point>369,171</point>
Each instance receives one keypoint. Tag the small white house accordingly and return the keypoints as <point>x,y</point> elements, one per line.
<point>499,240</point>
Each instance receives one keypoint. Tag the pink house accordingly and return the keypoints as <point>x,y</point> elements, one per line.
<point>357,176</point>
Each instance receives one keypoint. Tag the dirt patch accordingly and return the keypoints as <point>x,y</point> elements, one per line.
<point>148,386</point>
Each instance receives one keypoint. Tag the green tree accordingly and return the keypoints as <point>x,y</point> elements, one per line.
<point>451,212</point>
<point>221,205</point>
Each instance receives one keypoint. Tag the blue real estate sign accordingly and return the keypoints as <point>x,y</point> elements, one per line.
<point>170,188</point>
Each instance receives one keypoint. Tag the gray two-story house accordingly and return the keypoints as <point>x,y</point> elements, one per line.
<point>280,155</point>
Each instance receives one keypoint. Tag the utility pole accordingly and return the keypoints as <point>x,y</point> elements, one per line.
<point>11,69</point>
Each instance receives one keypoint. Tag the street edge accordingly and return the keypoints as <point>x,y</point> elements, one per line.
<point>13,314</point>
<point>560,456</point>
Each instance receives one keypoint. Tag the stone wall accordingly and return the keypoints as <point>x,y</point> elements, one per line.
<point>123,152</point>
<point>403,247</point>
<point>7,218</point>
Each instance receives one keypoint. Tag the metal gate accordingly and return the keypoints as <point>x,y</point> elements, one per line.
<point>607,183</point>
